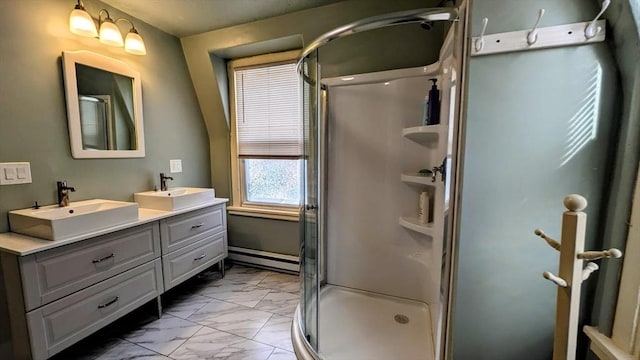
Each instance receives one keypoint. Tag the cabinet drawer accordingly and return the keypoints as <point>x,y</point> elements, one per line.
<point>182,230</point>
<point>180,265</point>
<point>58,325</point>
<point>55,273</point>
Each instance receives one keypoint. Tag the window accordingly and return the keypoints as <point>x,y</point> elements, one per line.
<point>266,136</point>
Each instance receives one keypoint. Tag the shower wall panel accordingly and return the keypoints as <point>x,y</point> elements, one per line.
<point>366,247</point>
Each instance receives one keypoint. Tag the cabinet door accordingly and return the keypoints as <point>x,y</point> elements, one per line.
<point>185,229</point>
<point>60,324</point>
<point>182,264</point>
<point>52,274</point>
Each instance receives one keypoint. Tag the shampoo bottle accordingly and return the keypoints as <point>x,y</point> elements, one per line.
<point>423,208</point>
<point>425,111</point>
<point>433,113</point>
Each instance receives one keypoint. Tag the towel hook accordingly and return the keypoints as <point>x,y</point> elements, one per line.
<point>479,44</point>
<point>592,30</point>
<point>532,36</point>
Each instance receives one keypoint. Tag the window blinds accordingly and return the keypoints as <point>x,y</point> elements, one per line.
<point>268,117</point>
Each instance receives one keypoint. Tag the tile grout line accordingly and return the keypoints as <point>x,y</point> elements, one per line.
<point>239,283</point>
<point>189,294</point>
<point>273,346</point>
<point>245,338</point>
<point>187,339</point>
<point>169,315</point>
<point>263,325</point>
<point>262,298</point>
<point>136,344</point>
<point>167,311</point>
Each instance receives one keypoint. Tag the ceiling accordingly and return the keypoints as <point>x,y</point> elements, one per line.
<point>188,17</point>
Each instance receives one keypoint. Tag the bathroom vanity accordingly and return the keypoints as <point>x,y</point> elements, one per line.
<point>59,292</point>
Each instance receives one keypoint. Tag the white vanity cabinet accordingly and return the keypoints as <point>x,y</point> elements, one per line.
<point>52,274</point>
<point>59,293</point>
<point>62,323</point>
<point>59,296</point>
<point>192,242</point>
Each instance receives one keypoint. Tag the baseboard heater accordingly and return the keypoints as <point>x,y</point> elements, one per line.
<point>264,259</point>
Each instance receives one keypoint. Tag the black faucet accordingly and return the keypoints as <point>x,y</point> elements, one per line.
<point>63,193</point>
<point>163,181</point>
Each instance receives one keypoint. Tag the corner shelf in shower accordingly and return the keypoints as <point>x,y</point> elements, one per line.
<point>424,134</point>
<point>413,224</point>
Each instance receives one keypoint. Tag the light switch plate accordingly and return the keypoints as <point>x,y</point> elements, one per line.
<point>9,173</point>
<point>175,166</point>
<point>15,173</point>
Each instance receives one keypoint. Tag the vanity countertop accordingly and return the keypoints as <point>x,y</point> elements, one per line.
<point>23,245</point>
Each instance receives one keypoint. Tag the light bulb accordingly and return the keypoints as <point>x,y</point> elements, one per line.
<point>110,34</point>
<point>133,43</point>
<point>81,23</point>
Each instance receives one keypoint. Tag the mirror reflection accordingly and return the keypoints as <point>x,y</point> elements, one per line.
<point>104,106</point>
<point>106,109</point>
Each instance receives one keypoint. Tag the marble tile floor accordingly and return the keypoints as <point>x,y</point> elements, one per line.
<point>245,316</point>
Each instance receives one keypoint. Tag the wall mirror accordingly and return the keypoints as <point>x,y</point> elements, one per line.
<point>104,106</point>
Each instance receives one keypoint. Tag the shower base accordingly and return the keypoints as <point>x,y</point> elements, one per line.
<point>358,325</point>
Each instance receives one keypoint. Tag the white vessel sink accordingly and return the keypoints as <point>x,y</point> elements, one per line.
<point>79,218</point>
<point>174,198</point>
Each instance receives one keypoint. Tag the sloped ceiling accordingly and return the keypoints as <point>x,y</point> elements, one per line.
<point>188,17</point>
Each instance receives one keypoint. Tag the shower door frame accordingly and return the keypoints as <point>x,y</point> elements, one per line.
<point>451,242</point>
<point>403,17</point>
<point>310,230</point>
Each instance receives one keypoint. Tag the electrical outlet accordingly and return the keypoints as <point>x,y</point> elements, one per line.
<point>15,173</point>
<point>175,166</point>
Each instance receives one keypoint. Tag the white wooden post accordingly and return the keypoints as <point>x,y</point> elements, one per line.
<point>574,223</point>
<point>571,274</point>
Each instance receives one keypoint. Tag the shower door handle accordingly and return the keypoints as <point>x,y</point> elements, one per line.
<point>442,169</point>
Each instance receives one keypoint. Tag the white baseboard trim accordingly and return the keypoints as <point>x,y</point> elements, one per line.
<point>264,259</point>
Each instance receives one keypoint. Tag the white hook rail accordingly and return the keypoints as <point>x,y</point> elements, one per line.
<point>479,43</point>
<point>593,28</point>
<point>532,36</point>
<point>540,38</point>
<point>571,274</point>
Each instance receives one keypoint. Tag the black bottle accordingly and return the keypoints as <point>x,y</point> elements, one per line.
<point>434,104</point>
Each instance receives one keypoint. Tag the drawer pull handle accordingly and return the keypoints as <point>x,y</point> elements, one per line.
<point>200,257</point>
<point>197,226</point>
<point>96,261</point>
<point>113,301</point>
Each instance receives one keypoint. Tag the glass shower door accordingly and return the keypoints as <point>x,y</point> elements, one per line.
<point>309,252</point>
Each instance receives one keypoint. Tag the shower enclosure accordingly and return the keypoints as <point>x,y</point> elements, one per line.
<point>375,278</point>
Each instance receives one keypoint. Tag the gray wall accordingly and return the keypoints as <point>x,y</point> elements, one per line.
<point>33,120</point>
<point>397,47</point>
<point>520,109</point>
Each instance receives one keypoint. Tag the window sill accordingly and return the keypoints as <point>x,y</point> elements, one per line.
<point>604,347</point>
<point>277,214</point>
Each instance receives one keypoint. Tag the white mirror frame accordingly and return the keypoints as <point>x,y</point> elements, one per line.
<point>69,61</point>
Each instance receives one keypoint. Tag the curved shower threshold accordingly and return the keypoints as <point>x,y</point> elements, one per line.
<point>362,325</point>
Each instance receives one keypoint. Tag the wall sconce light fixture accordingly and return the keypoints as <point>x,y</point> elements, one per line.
<point>81,23</point>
